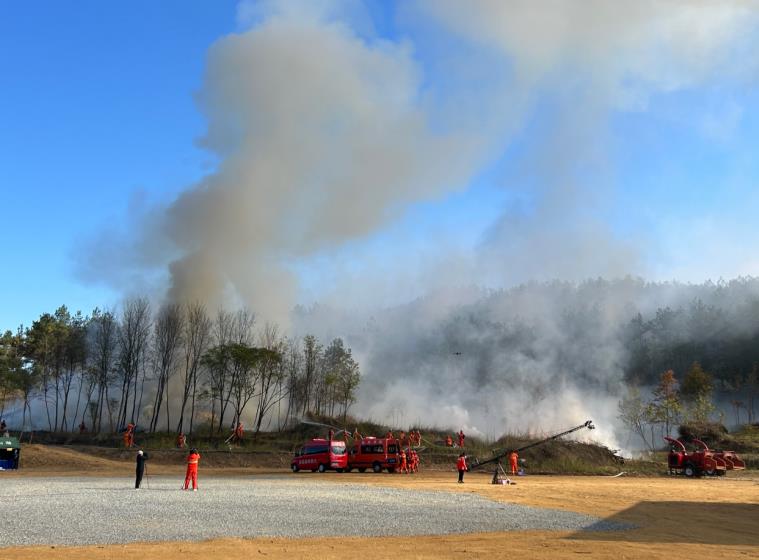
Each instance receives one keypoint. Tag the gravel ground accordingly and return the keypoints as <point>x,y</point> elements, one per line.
<point>81,511</point>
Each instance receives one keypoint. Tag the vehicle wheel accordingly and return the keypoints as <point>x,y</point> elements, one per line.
<point>294,468</point>
<point>377,468</point>
<point>322,468</point>
<point>362,469</point>
<point>689,470</point>
<point>710,472</point>
<point>391,470</point>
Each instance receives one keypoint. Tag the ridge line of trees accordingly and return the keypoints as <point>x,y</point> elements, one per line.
<point>176,368</point>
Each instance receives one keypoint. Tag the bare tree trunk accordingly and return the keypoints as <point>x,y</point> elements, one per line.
<point>196,334</point>
<point>166,343</point>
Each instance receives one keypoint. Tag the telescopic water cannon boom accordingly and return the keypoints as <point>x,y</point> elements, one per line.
<point>497,457</point>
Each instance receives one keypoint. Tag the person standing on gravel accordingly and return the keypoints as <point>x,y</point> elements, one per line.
<point>192,470</point>
<point>461,467</point>
<point>141,458</point>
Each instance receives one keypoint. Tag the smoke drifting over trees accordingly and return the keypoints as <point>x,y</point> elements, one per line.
<point>326,132</point>
<point>543,355</point>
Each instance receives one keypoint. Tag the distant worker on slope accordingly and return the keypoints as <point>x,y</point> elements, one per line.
<point>181,440</point>
<point>461,438</point>
<point>192,470</point>
<point>129,435</point>
<point>82,428</point>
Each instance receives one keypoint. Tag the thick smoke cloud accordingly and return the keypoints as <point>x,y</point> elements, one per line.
<point>325,135</point>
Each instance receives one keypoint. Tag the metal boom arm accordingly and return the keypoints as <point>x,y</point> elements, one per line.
<point>497,458</point>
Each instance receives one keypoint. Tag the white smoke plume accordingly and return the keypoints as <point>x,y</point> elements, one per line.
<point>326,132</point>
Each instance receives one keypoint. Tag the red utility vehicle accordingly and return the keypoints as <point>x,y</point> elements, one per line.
<point>374,453</point>
<point>321,455</point>
<point>693,463</point>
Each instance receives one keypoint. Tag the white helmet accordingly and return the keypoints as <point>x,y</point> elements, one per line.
<point>139,452</point>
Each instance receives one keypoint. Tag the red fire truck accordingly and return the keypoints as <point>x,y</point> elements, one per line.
<point>374,453</point>
<point>321,455</point>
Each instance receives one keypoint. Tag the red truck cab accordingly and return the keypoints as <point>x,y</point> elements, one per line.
<point>321,455</point>
<point>373,453</point>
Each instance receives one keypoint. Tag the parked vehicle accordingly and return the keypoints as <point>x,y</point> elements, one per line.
<point>374,453</point>
<point>10,452</point>
<point>321,455</point>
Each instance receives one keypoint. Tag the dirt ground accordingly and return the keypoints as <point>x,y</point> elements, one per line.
<point>715,517</point>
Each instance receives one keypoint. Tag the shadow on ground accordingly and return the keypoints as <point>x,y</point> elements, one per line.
<point>683,522</point>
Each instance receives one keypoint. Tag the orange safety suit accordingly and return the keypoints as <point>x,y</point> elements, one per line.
<point>461,438</point>
<point>513,462</point>
<point>129,435</point>
<point>404,463</point>
<point>181,440</point>
<point>192,471</point>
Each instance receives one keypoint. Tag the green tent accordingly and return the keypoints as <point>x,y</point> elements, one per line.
<point>10,451</point>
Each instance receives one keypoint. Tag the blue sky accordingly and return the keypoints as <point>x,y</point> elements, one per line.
<point>98,112</point>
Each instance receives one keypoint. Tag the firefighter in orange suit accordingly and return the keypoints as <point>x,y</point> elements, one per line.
<point>192,470</point>
<point>513,458</point>
<point>181,440</point>
<point>404,463</point>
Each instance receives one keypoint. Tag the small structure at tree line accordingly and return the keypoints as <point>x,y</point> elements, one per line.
<point>10,452</point>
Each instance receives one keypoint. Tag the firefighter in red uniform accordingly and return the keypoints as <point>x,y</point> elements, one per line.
<point>448,441</point>
<point>404,463</point>
<point>513,458</point>
<point>192,470</point>
<point>461,467</point>
<point>181,440</point>
<point>461,438</point>
<point>402,438</point>
<point>82,428</point>
<point>238,432</point>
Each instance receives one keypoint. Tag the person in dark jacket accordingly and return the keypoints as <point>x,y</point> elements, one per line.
<point>141,458</point>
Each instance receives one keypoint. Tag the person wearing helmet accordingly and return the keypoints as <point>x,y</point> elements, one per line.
<point>192,470</point>
<point>141,458</point>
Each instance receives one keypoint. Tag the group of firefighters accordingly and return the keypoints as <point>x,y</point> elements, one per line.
<point>181,441</point>
<point>460,436</point>
<point>408,460</point>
